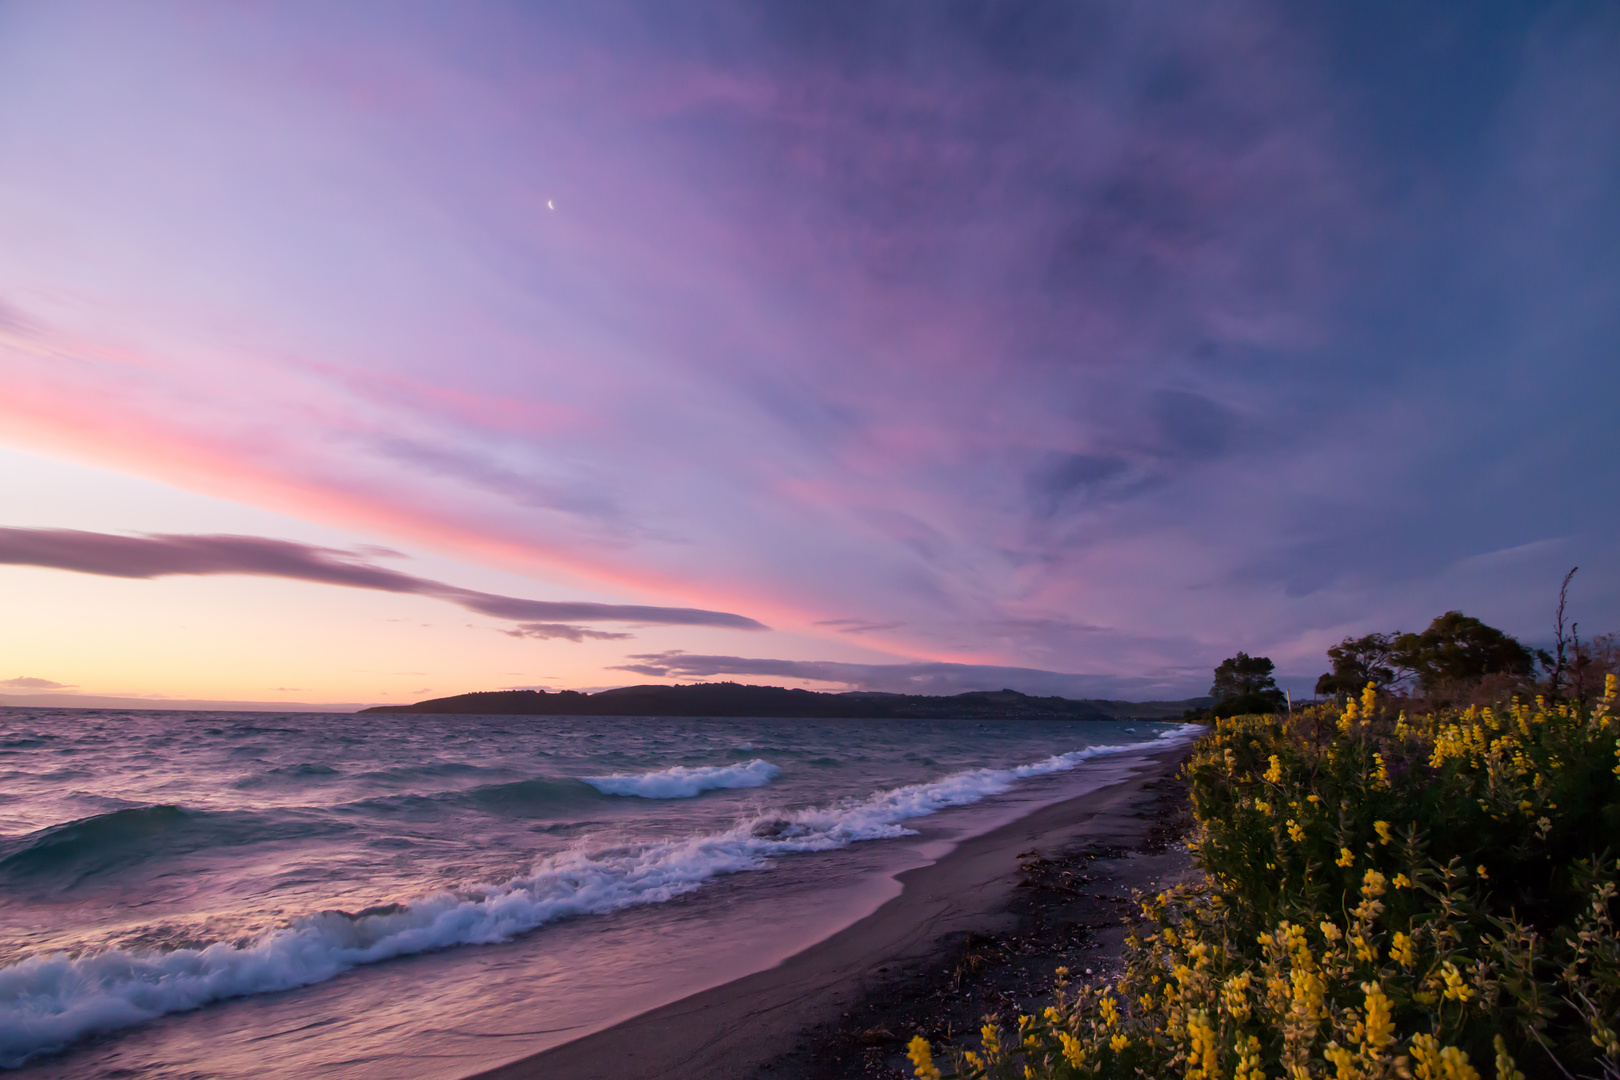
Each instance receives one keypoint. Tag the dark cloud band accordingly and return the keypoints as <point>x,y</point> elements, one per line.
<point>168,555</point>
<point>915,678</point>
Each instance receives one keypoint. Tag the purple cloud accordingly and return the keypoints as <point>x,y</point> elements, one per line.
<point>161,556</point>
<point>1235,325</point>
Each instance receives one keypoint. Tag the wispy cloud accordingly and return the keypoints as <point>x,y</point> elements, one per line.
<point>548,631</point>
<point>28,682</point>
<point>858,626</point>
<point>161,556</point>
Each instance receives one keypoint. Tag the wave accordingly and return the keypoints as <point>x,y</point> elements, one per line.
<point>404,774</point>
<point>541,797</point>
<point>681,782</point>
<point>61,856</point>
<point>288,775</point>
<point>48,1002</point>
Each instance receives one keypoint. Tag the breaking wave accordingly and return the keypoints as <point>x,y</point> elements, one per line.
<point>681,782</point>
<point>47,1002</point>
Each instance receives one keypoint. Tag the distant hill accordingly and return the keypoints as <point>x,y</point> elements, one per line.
<point>738,699</point>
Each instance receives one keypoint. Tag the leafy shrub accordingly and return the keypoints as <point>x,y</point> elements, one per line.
<point>1382,897</point>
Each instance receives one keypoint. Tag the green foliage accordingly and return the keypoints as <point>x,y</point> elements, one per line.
<point>1455,653</point>
<point>1244,683</point>
<point>1458,649</point>
<point>1359,661</point>
<point>1381,898</point>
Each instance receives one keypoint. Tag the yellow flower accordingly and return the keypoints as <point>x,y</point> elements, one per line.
<point>1456,989</point>
<point>1249,1067</point>
<point>1203,1056</point>
<point>1295,833</point>
<point>1380,1029</point>
<point>1330,931</point>
<point>1372,884</point>
<point>1262,806</point>
<point>1235,996</point>
<point>1434,1063</point>
<point>1382,828</point>
<point>1274,774</point>
<point>1073,1052</point>
<point>1308,991</point>
<point>1345,858</point>
<point>1402,881</point>
<point>992,1041</point>
<point>1118,1043</point>
<point>1381,771</point>
<point>1401,950</point>
<point>922,1059</point>
<point>1110,1011</point>
<point>1506,1067</point>
<point>1480,870</point>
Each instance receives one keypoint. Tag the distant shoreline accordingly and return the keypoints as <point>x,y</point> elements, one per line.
<point>738,700</point>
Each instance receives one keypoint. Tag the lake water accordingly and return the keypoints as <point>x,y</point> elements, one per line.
<point>254,894</point>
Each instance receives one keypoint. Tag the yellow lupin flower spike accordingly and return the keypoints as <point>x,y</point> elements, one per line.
<point>922,1058</point>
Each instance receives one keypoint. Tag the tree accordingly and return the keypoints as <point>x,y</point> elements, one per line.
<point>1560,660</point>
<point>1359,661</point>
<point>1243,674</point>
<point>1458,650</point>
<point>1244,684</point>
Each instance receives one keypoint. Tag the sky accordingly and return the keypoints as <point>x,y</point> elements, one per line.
<point>377,351</point>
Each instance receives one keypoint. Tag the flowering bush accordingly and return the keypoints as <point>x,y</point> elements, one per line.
<point>1382,897</point>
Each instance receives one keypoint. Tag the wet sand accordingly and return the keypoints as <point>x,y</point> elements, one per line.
<point>734,1031</point>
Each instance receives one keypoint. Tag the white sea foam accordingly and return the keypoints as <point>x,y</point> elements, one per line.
<point>49,1001</point>
<point>681,782</point>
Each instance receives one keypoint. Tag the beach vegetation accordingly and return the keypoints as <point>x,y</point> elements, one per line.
<point>1381,894</point>
<point>1455,659</point>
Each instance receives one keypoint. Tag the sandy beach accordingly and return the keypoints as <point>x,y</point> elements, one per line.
<point>793,1019</point>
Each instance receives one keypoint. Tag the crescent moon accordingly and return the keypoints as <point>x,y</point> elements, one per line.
<point>550,205</point>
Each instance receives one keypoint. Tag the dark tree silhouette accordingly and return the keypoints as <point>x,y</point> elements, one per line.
<point>1244,684</point>
<point>1359,661</point>
<point>1458,650</point>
